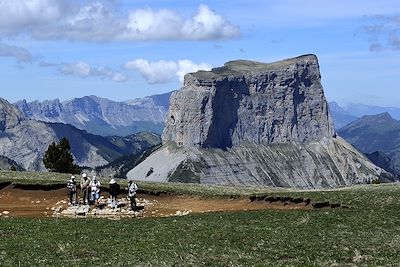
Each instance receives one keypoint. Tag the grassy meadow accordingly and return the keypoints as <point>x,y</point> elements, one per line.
<point>366,234</point>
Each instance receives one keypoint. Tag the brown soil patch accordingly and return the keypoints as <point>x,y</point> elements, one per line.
<point>39,203</point>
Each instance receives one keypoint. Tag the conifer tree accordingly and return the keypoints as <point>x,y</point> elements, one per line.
<point>58,158</point>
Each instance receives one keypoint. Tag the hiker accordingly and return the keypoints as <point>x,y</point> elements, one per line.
<point>85,188</point>
<point>71,187</point>
<point>132,188</point>
<point>95,190</point>
<point>114,188</point>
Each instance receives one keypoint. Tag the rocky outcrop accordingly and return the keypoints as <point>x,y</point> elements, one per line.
<point>250,123</point>
<point>250,102</point>
<point>102,116</point>
<point>25,141</point>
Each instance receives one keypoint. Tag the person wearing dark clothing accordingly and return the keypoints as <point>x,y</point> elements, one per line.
<point>114,189</point>
<point>71,189</point>
<point>132,188</point>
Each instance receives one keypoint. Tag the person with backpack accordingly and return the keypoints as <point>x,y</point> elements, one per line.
<point>132,189</point>
<point>71,189</point>
<point>95,190</point>
<point>85,188</point>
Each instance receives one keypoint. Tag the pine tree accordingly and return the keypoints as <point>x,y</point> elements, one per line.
<point>58,158</point>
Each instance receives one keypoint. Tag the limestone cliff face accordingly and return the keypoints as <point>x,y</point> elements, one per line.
<point>249,123</point>
<point>250,102</point>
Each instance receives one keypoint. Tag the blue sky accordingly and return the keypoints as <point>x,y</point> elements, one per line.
<point>127,49</point>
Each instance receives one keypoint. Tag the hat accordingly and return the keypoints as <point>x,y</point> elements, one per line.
<point>112,181</point>
<point>84,175</point>
<point>72,177</point>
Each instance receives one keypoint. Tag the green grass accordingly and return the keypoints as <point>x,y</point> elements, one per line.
<point>367,234</point>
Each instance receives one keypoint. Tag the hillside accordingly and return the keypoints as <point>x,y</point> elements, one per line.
<point>374,133</point>
<point>363,234</point>
<point>109,147</point>
<point>25,141</point>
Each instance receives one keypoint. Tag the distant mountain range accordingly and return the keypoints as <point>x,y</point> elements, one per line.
<point>343,115</point>
<point>24,141</point>
<point>105,117</point>
<point>378,136</point>
<point>102,116</point>
<point>340,116</point>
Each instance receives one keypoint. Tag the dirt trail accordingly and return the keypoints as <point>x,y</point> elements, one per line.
<point>41,203</point>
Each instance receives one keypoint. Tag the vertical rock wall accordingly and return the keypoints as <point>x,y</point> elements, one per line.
<point>250,102</point>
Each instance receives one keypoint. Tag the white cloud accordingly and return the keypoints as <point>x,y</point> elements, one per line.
<point>96,21</point>
<point>164,71</point>
<point>84,70</point>
<point>109,73</point>
<point>206,24</point>
<point>19,53</point>
<point>18,16</point>
<point>79,68</point>
<point>148,24</point>
<point>154,72</point>
<point>187,66</point>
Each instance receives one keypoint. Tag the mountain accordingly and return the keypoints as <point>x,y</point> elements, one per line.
<point>251,123</point>
<point>25,141</point>
<point>109,148</point>
<point>340,116</point>
<point>360,110</point>
<point>343,115</point>
<point>376,133</point>
<point>102,116</point>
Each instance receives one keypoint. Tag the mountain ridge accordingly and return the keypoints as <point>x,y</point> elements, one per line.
<point>102,116</point>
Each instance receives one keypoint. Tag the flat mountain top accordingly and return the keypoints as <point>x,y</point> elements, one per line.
<point>237,67</point>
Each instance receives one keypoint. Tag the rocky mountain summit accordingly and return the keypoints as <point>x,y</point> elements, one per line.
<point>102,116</point>
<point>25,141</point>
<point>255,124</point>
<point>250,102</point>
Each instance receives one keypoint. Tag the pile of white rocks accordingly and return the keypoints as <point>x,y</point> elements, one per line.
<point>103,209</point>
